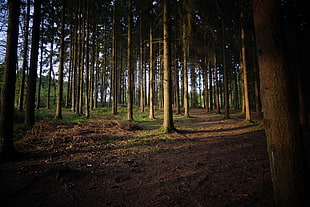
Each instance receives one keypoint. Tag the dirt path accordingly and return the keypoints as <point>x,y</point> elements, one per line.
<point>212,163</point>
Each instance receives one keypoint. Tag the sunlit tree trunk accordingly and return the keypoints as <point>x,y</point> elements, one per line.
<point>245,76</point>
<point>130,69</point>
<point>141,65</point>
<point>9,78</point>
<point>30,104</point>
<point>168,125</point>
<point>185,77</point>
<point>288,165</point>
<point>151,75</point>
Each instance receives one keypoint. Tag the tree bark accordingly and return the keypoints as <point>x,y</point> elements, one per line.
<point>25,60</point>
<point>30,104</point>
<point>58,114</point>
<point>8,150</point>
<point>245,76</point>
<point>289,172</point>
<point>113,62</point>
<point>168,125</point>
<point>130,69</point>
<point>151,75</point>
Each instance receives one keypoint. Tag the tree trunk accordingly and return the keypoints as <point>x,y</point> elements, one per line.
<point>50,76</point>
<point>130,69</point>
<point>168,118</point>
<point>40,74</point>
<point>284,138</point>
<point>225,74</point>
<point>245,76</point>
<point>151,75</point>
<point>30,104</point>
<point>9,78</point>
<point>25,60</point>
<point>141,65</point>
<point>185,78</point>
<point>113,63</point>
<point>58,114</point>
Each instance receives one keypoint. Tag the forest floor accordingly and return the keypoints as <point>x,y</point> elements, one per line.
<point>210,162</point>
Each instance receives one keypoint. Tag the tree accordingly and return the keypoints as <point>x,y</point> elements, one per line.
<point>58,114</point>
<point>284,139</point>
<point>113,62</point>
<point>186,33</point>
<point>8,150</point>
<point>30,102</point>
<point>243,66</point>
<point>130,69</point>
<point>25,59</point>
<point>168,125</point>
<point>151,75</point>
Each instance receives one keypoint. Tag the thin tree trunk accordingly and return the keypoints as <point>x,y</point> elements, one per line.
<point>25,60</point>
<point>225,74</point>
<point>40,73</point>
<point>113,63</point>
<point>50,76</point>
<point>245,79</point>
<point>185,78</point>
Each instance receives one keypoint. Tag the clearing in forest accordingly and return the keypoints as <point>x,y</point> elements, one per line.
<point>109,162</point>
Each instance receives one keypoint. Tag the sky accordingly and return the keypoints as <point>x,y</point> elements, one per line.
<point>3,29</point>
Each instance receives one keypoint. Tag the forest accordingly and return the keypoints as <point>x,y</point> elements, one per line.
<point>202,99</point>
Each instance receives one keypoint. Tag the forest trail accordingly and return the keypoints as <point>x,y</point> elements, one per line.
<point>213,162</point>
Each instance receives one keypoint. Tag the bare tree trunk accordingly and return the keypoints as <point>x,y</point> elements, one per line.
<point>141,66</point>
<point>168,125</point>
<point>245,76</point>
<point>151,75</point>
<point>58,114</point>
<point>50,76</point>
<point>113,63</point>
<point>30,104</point>
<point>25,60</point>
<point>225,74</point>
<point>40,73</point>
<point>130,69</point>
<point>288,165</point>
<point>8,150</point>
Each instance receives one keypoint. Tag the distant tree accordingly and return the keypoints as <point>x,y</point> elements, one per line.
<point>8,150</point>
<point>288,165</point>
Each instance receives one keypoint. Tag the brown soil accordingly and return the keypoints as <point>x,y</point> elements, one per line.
<point>213,162</point>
